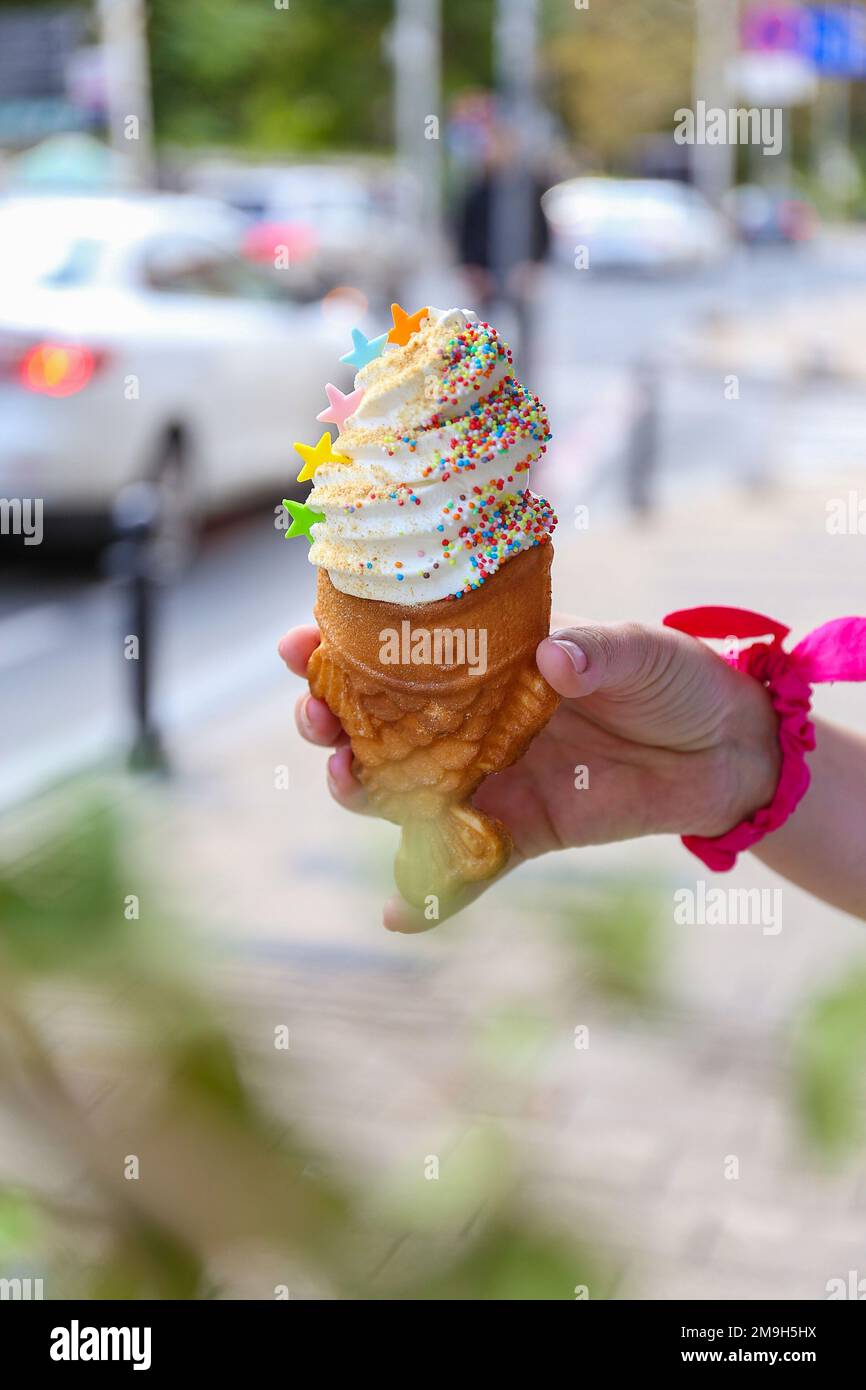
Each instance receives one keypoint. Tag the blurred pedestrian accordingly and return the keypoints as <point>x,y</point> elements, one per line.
<point>501,262</point>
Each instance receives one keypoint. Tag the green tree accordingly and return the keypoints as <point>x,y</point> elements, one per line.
<point>317,75</point>
<point>618,70</point>
<point>314,76</point>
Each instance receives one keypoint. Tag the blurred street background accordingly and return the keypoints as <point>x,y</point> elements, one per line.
<point>197,204</point>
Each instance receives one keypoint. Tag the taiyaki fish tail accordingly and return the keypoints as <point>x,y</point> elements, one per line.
<point>439,857</point>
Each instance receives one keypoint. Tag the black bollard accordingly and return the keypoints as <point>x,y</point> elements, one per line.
<point>643,445</point>
<point>132,560</point>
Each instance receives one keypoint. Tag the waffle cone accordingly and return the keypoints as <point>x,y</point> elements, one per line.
<point>427,727</point>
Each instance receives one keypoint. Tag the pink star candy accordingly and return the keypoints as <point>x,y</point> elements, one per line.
<point>341,407</point>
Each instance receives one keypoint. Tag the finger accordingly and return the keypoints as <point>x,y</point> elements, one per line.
<point>297,646</point>
<point>579,660</point>
<point>400,916</point>
<point>317,724</point>
<point>342,782</point>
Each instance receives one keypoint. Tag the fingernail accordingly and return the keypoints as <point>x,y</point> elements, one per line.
<point>304,715</point>
<point>576,655</point>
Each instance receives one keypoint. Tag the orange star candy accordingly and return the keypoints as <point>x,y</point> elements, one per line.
<point>405,324</point>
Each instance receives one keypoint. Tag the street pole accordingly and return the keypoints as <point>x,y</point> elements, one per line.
<point>416,53</point>
<point>123,28</point>
<point>716,41</point>
<point>515,65</point>
<point>832,162</point>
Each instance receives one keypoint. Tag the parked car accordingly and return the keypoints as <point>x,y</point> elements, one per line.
<point>339,225</point>
<point>136,343</point>
<point>764,216</point>
<point>639,224</point>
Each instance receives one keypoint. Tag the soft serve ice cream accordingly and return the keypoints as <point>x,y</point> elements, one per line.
<point>430,495</point>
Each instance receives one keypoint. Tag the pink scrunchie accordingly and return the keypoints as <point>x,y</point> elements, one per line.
<point>834,652</point>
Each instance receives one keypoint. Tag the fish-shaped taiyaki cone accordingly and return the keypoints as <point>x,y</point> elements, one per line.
<point>435,697</point>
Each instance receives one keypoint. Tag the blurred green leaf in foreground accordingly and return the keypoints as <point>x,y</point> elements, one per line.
<point>618,937</point>
<point>152,1163</point>
<point>830,1064</point>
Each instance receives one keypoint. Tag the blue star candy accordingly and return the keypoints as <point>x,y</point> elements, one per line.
<point>365,349</point>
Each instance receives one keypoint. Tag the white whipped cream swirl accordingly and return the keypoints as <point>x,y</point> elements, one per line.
<point>435,495</point>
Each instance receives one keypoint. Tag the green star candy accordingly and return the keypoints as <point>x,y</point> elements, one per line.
<point>303,517</point>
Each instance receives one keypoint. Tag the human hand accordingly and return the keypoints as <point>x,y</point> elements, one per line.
<point>672,738</point>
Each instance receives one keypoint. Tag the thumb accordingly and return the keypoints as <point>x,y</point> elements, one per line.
<point>576,661</point>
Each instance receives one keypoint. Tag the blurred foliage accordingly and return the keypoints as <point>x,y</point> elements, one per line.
<point>618,71</point>
<point>60,919</point>
<point>618,936</point>
<point>476,1167</point>
<point>240,72</point>
<point>225,1194</point>
<point>513,1038</point>
<point>830,1064</point>
<point>20,1221</point>
<point>511,1263</point>
<point>315,76</point>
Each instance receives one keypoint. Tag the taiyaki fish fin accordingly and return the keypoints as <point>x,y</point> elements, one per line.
<point>525,708</point>
<point>438,857</point>
<point>329,681</point>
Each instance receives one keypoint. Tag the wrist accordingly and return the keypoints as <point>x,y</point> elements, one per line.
<point>743,774</point>
<point>754,754</point>
<point>835,651</point>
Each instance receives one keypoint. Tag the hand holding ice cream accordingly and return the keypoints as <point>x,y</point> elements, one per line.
<point>674,741</point>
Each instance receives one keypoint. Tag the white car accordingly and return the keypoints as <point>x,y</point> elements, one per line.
<point>136,344</point>
<point>640,224</point>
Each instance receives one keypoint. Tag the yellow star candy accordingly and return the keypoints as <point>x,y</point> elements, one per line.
<point>314,455</point>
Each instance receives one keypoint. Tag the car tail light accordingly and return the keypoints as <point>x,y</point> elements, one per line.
<point>57,369</point>
<point>266,241</point>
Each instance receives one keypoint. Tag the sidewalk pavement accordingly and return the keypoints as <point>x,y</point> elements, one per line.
<point>629,1141</point>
